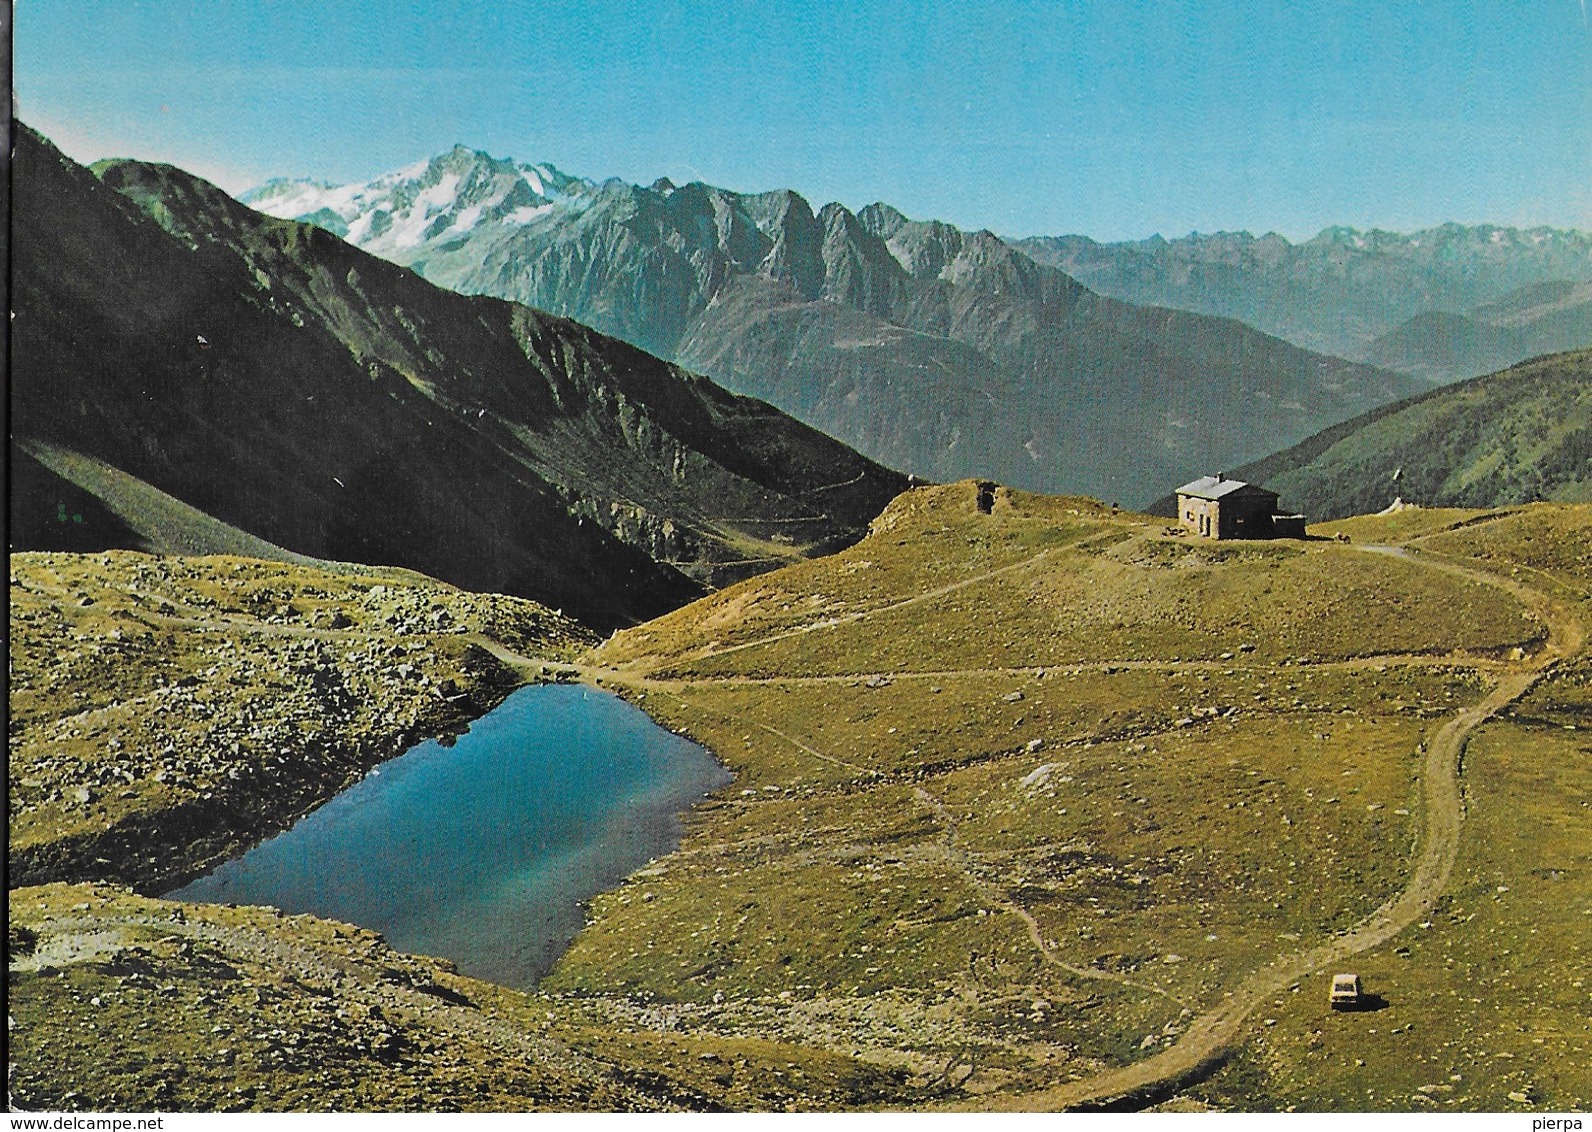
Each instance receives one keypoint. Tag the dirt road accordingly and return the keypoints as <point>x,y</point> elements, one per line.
<point>1206,1038</point>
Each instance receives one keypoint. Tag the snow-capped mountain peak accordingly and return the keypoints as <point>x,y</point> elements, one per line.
<point>451,194</point>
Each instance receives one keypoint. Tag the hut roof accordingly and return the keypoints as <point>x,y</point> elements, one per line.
<point>1217,487</point>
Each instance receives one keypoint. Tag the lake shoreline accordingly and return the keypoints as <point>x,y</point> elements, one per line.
<point>485,850</point>
<point>203,833</point>
<point>222,726</point>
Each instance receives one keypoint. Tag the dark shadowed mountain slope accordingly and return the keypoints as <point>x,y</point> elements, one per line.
<point>944,352</point>
<point>299,390</point>
<point>1344,289</point>
<point>1511,437</point>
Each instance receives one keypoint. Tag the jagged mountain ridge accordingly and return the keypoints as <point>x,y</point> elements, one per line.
<point>307,393</point>
<point>1340,291</point>
<point>942,352</point>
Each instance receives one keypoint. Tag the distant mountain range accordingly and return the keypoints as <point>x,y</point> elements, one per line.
<point>1405,301</point>
<point>938,351</point>
<point>187,374</point>
<point>1512,437</point>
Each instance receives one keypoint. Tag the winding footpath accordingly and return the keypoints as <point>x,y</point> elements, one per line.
<point>1206,1038</point>
<point>995,897</point>
<point>714,651</point>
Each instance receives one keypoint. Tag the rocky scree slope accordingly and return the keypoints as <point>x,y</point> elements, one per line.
<point>946,353</point>
<point>168,712</point>
<point>123,1003</point>
<point>302,391</point>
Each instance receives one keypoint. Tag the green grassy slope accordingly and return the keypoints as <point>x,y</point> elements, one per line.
<point>1021,795</point>
<point>1486,1000</point>
<point>69,501</point>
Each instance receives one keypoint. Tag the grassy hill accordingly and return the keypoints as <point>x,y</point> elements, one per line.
<point>1036,808</point>
<point>1143,765</point>
<point>1511,437</point>
<point>172,347</point>
<point>1543,318</point>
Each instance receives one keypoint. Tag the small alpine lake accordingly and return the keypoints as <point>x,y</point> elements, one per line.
<point>481,851</point>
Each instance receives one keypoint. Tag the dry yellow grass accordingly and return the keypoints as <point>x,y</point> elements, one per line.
<point>1022,797</point>
<point>1101,768</point>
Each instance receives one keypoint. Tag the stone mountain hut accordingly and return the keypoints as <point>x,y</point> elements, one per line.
<point>1220,508</point>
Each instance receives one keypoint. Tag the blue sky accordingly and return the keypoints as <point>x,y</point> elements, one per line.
<point>1117,120</point>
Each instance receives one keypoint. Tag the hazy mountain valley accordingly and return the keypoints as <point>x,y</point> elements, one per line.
<point>1038,802</point>
<point>943,353</point>
<point>1443,303</point>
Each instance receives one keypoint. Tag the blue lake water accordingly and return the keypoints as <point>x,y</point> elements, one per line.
<point>481,851</point>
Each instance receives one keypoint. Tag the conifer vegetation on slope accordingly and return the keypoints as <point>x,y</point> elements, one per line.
<point>173,349</point>
<point>1512,437</point>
